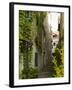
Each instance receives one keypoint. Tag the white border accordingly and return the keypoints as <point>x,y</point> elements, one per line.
<point>16,45</point>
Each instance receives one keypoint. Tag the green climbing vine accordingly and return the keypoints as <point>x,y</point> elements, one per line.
<point>25,40</point>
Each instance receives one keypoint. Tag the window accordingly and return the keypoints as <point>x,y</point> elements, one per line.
<point>54,44</point>
<point>36,59</point>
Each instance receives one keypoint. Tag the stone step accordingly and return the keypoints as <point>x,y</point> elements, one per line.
<point>43,75</point>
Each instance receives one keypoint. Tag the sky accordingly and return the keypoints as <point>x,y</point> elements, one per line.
<point>53,21</point>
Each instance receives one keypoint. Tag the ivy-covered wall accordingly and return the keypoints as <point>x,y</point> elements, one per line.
<point>30,32</point>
